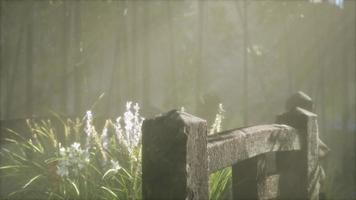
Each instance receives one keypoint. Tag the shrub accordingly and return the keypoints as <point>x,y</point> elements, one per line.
<point>84,165</point>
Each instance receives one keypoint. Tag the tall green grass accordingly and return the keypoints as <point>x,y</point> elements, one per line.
<point>80,162</point>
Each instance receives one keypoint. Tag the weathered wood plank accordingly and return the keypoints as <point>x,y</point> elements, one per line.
<point>300,172</point>
<point>227,148</point>
<point>174,159</point>
<point>244,179</point>
<point>255,178</point>
<point>267,187</point>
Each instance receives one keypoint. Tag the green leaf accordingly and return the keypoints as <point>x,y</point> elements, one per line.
<point>16,133</point>
<point>15,192</point>
<point>107,172</point>
<point>34,147</point>
<point>75,187</point>
<point>50,160</point>
<point>11,140</point>
<point>31,181</point>
<point>13,167</point>
<point>14,154</point>
<point>109,191</point>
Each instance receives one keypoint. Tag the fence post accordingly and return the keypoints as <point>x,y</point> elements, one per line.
<point>300,171</point>
<point>251,178</point>
<point>174,157</point>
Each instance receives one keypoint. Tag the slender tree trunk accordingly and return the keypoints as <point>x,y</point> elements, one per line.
<point>199,72</point>
<point>15,67</point>
<point>124,54</point>
<point>138,50</point>
<point>321,55</point>
<point>116,86</point>
<point>286,58</point>
<point>345,114</point>
<point>77,58</point>
<point>3,77</point>
<point>30,60</point>
<point>355,95</point>
<point>172,60</point>
<point>127,50</point>
<point>133,52</point>
<point>64,67</point>
<point>322,98</point>
<point>146,57</point>
<point>245,63</point>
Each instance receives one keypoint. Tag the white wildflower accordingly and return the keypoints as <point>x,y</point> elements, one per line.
<point>89,127</point>
<point>216,127</point>
<point>72,160</point>
<point>62,151</point>
<point>115,166</point>
<point>132,122</point>
<point>62,170</point>
<point>76,146</point>
<point>182,109</point>
<point>120,136</point>
<point>104,137</point>
<point>128,117</point>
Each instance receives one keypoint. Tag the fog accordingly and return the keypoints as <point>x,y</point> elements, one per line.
<point>68,57</point>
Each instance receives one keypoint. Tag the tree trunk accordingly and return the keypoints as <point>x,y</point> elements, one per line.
<point>3,78</point>
<point>65,35</point>
<point>146,57</point>
<point>126,75</point>
<point>115,88</point>
<point>355,97</point>
<point>289,68</point>
<point>245,64</point>
<point>133,52</point>
<point>172,77</point>
<point>78,89</point>
<point>199,72</point>
<point>346,115</point>
<point>30,60</point>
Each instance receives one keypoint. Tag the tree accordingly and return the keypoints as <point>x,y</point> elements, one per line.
<point>78,65</point>
<point>64,67</point>
<point>146,100</point>
<point>30,59</point>
<point>3,80</point>
<point>245,63</point>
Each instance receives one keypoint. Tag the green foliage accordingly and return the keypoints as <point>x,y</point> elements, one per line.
<point>219,183</point>
<point>39,167</point>
<point>80,163</point>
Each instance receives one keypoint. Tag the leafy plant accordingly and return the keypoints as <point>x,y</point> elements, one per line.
<point>219,181</point>
<point>82,163</point>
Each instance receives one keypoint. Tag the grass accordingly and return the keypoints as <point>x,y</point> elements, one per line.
<point>81,162</point>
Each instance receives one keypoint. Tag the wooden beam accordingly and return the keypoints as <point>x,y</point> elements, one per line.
<point>228,148</point>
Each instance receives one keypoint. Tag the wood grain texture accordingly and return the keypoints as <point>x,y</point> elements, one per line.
<point>236,145</point>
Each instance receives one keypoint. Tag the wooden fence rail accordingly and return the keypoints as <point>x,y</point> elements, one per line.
<point>276,161</point>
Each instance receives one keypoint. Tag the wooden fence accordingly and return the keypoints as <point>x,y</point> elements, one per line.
<point>276,161</point>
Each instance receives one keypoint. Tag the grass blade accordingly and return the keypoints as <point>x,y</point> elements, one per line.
<point>11,140</point>
<point>109,191</point>
<point>13,167</point>
<point>31,181</point>
<point>107,172</point>
<point>75,187</point>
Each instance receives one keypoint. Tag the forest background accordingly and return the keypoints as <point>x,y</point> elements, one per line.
<point>71,56</point>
